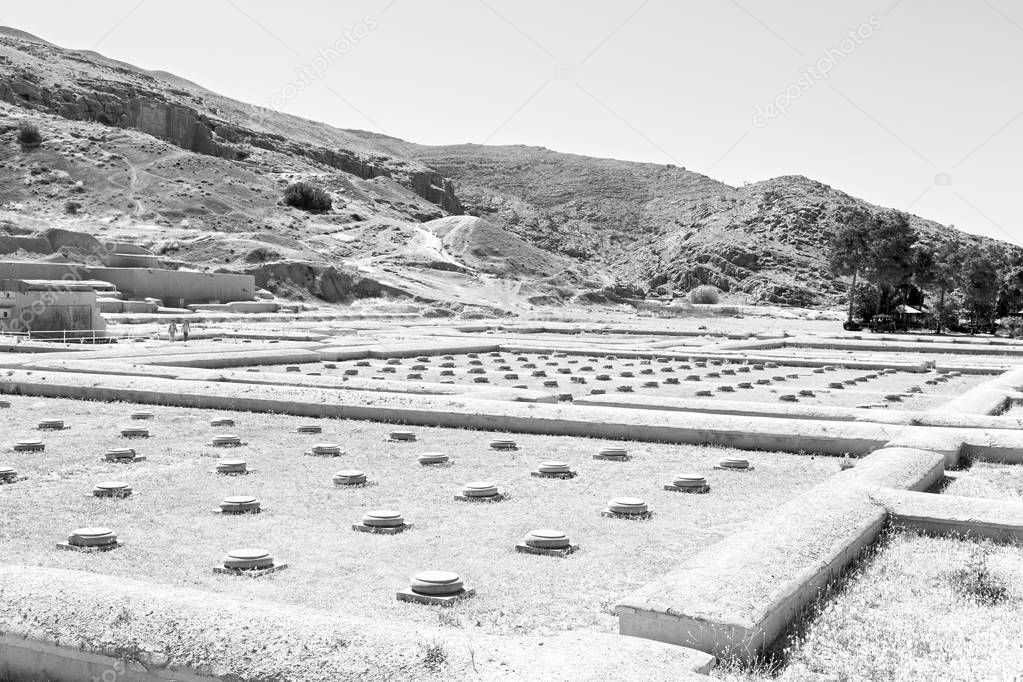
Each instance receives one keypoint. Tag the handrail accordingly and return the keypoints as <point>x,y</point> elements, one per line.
<point>76,335</point>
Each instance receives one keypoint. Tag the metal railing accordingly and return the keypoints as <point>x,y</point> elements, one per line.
<point>75,336</point>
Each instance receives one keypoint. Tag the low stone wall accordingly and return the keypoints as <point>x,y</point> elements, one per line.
<point>293,379</point>
<point>698,353</point>
<point>638,328</point>
<point>750,433</point>
<point>940,417</point>
<point>234,358</point>
<point>746,409</point>
<point>17,347</point>
<point>404,350</point>
<point>413,349</point>
<point>195,354</point>
<point>466,411</point>
<point>981,399</point>
<point>481,392</point>
<point>915,346</point>
<point>968,517</point>
<point>735,598</point>
<point>29,659</point>
<point>69,626</point>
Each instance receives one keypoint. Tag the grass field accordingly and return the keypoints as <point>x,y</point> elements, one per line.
<point>172,536</point>
<point>919,608</point>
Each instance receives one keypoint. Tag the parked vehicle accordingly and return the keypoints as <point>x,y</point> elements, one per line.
<point>882,324</point>
<point>966,325</point>
<point>851,326</point>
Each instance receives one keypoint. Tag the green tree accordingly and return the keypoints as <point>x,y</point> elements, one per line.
<point>866,300</point>
<point>980,280</point>
<point>1010,295</point>
<point>924,270</point>
<point>849,248</point>
<point>948,263</point>
<point>889,263</point>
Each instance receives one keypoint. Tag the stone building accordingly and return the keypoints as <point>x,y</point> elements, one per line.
<point>50,308</point>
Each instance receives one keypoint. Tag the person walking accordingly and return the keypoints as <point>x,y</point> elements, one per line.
<point>172,330</point>
<point>186,327</point>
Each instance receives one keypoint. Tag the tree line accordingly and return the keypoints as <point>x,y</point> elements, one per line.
<point>953,280</point>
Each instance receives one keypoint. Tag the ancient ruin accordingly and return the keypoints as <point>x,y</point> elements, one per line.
<point>290,401</point>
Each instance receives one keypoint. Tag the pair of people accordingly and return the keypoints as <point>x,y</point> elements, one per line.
<point>172,330</point>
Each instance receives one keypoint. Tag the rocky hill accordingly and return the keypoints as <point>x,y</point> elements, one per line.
<point>663,226</point>
<point>197,178</point>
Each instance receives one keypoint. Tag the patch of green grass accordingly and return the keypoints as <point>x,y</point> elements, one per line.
<point>172,536</point>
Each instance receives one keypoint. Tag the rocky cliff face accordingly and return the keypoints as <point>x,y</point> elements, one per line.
<point>114,104</point>
<point>428,184</point>
<point>334,284</point>
<point>130,98</point>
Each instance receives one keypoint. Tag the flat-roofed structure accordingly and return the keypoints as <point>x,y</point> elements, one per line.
<point>51,308</point>
<point>176,288</point>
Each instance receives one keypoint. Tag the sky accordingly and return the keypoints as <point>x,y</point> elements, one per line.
<point>913,104</point>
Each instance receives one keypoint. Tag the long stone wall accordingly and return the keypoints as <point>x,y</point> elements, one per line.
<point>176,288</point>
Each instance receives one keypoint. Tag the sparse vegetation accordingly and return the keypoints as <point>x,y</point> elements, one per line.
<point>307,197</point>
<point>72,207</point>
<point>434,655</point>
<point>705,294</point>
<point>29,135</point>
<point>914,607</point>
<point>977,582</point>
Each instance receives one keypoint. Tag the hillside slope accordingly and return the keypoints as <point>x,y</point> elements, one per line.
<point>660,225</point>
<point>149,157</point>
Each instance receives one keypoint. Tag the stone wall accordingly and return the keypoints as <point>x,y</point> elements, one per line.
<point>174,287</point>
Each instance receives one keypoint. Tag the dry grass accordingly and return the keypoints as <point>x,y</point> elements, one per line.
<point>173,537</point>
<point>988,479</point>
<point>917,608</point>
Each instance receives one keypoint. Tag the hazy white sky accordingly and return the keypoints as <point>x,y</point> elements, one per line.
<point>915,104</point>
